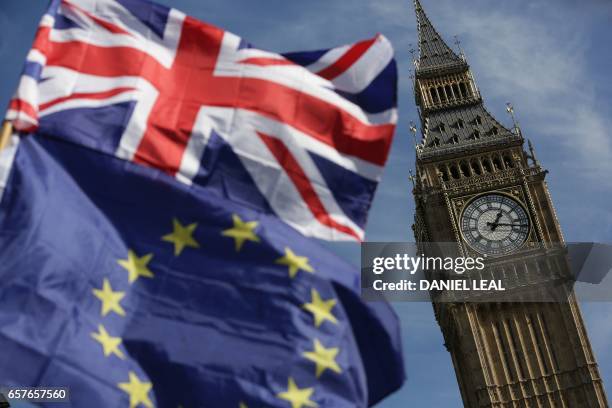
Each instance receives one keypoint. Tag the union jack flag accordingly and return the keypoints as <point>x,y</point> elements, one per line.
<point>301,135</point>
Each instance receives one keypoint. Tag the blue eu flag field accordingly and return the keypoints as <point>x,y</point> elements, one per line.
<point>135,290</point>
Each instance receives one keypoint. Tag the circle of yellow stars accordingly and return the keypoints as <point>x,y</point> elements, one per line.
<point>110,302</point>
<point>182,237</point>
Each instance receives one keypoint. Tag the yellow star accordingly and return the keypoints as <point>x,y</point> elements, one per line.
<point>294,262</point>
<point>111,301</point>
<point>109,344</point>
<point>138,391</point>
<point>323,358</point>
<point>297,397</point>
<point>181,236</point>
<point>321,309</point>
<point>136,266</point>
<point>241,231</point>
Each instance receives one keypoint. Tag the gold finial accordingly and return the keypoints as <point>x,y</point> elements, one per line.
<point>413,130</point>
<point>412,178</point>
<point>510,110</point>
<point>458,44</point>
<point>412,50</point>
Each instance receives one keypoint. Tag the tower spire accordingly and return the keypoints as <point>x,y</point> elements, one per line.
<point>453,116</point>
<point>433,50</point>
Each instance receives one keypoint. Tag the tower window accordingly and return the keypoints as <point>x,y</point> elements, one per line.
<point>476,134</point>
<point>494,131</point>
<point>456,91</point>
<point>449,92</point>
<point>434,95</point>
<point>441,127</point>
<point>497,164</point>
<point>475,167</point>
<point>460,124</point>
<point>435,142</point>
<point>478,120</point>
<point>443,172</point>
<point>455,171</point>
<point>487,166</point>
<point>454,139</point>
<point>463,89</point>
<point>465,170</point>
<point>441,94</point>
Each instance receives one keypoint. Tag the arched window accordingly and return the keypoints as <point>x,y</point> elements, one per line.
<point>494,131</point>
<point>465,170</point>
<point>508,162</point>
<point>434,95</point>
<point>449,92</point>
<point>456,91</point>
<point>455,171</point>
<point>463,89</point>
<point>454,139</point>
<point>442,170</point>
<point>478,120</point>
<point>441,93</point>
<point>475,167</point>
<point>486,165</point>
<point>496,163</point>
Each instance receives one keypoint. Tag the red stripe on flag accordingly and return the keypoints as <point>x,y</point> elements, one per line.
<point>345,61</point>
<point>300,110</point>
<point>85,95</point>
<point>265,62</point>
<point>19,105</point>
<point>303,185</point>
<point>41,41</point>
<point>191,81</point>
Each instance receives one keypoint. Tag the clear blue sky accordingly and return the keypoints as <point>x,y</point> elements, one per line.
<point>550,58</point>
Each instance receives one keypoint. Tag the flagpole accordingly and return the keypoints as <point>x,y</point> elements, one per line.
<point>5,134</point>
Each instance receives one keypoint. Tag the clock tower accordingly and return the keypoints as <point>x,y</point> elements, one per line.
<point>477,187</point>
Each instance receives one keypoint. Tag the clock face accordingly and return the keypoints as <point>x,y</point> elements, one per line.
<point>495,224</point>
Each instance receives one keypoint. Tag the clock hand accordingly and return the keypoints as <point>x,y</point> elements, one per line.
<point>495,223</point>
<point>503,224</point>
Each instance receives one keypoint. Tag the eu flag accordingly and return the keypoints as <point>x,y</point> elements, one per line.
<point>135,290</point>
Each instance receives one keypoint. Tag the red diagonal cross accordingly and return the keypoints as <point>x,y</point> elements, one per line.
<point>190,84</point>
